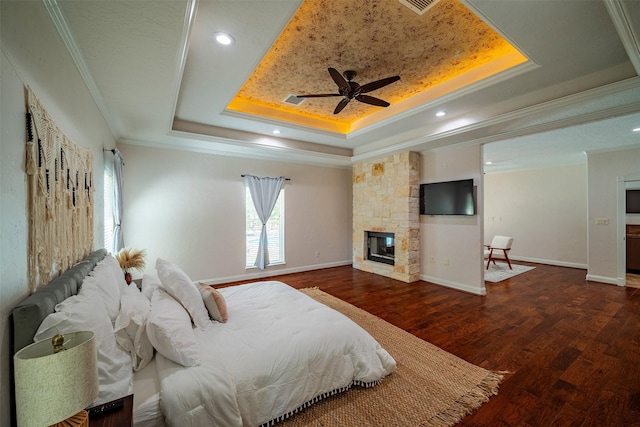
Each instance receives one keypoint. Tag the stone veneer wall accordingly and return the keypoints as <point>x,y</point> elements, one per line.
<point>386,199</point>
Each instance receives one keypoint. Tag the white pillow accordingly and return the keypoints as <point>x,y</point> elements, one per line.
<point>109,284</point>
<point>178,285</point>
<point>149,283</point>
<point>112,263</point>
<point>86,312</point>
<point>169,330</point>
<point>130,326</point>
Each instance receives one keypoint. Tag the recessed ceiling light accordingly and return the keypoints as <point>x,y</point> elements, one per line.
<point>488,163</point>
<point>441,113</point>
<point>224,38</point>
<point>276,132</point>
<point>636,130</point>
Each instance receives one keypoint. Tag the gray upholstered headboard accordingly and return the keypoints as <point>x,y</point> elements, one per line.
<point>27,316</point>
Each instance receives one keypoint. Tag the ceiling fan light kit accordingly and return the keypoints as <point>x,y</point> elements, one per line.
<point>349,89</point>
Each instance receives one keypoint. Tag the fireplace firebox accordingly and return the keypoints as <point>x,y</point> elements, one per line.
<point>380,247</point>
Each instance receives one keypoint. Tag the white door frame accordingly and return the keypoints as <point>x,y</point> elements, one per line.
<point>623,183</point>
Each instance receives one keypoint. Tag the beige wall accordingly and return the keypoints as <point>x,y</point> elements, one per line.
<point>190,208</point>
<point>451,249</point>
<point>544,210</point>
<point>604,171</point>
<point>33,54</point>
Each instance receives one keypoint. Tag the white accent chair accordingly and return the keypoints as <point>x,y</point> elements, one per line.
<point>498,250</point>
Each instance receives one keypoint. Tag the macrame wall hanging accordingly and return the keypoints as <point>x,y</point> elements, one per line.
<point>60,197</point>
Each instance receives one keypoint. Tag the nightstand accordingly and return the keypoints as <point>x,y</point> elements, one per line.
<point>117,413</point>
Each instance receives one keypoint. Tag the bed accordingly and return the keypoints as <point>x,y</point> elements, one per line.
<point>247,355</point>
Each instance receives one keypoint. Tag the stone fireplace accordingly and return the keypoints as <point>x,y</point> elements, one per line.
<point>386,204</point>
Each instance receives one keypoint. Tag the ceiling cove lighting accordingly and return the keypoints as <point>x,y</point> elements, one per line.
<point>224,38</point>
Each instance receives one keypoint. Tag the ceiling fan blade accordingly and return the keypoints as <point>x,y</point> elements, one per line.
<point>343,103</point>
<point>378,84</point>
<point>340,81</point>
<point>372,100</point>
<point>321,95</point>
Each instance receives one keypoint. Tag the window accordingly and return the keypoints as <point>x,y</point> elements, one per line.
<point>275,231</point>
<point>108,210</point>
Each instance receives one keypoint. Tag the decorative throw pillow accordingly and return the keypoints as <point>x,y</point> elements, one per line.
<point>86,312</point>
<point>130,326</point>
<point>215,303</point>
<point>169,330</point>
<point>181,287</point>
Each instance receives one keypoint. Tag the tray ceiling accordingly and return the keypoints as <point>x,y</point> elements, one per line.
<point>160,80</point>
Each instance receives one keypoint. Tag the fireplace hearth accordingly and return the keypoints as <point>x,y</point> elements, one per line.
<point>380,247</point>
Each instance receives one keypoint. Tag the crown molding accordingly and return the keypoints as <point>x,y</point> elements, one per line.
<point>181,59</point>
<point>60,22</point>
<point>527,113</point>
<point>626,31</point>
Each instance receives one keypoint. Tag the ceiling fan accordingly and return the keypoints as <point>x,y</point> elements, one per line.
<point>350,90</point>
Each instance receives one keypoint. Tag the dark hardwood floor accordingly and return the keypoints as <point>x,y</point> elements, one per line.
<point>571,347</point>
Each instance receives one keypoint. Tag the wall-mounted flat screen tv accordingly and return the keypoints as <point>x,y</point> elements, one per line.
<point>633,201</point>
<point>448,198</point>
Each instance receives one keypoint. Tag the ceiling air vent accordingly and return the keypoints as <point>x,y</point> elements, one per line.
<point>294,100</point>
<point>419,6</point>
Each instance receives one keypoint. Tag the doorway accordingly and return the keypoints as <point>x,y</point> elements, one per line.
<point>628,233</point>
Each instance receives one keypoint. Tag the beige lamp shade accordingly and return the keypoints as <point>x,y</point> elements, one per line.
<point>51,387</point>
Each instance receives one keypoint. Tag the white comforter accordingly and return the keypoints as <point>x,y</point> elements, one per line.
<point>279,350</point>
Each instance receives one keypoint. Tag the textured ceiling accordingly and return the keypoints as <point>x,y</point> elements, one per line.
<point>377,39</point>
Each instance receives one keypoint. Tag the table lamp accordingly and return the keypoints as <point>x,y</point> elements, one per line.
<point>56,380</point>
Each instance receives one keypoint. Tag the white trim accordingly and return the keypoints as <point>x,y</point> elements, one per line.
<point>622,183</point>
<point>448,97</point>
<point>557,263</point>
<point>274,272</point>
<point>454,285</point>
<point>181,59</point>
<point>623,23</point>
<point>602,279</point>
<point>621,238</point>
<point>527,113</point>
<point>194,144</point>
<point>60,22</point>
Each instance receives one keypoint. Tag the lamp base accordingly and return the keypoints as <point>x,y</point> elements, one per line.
<point>81,419</point>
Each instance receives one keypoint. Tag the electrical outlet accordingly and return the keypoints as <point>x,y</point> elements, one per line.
<point>445,261</point>
<point>433,259</point>
<point>602,221</point>
<point>317,254</point>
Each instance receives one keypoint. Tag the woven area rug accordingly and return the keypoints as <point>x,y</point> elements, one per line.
<point>500,271</point>
<point>429,387</point>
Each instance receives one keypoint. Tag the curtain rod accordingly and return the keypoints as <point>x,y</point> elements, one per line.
<point>286,179</point>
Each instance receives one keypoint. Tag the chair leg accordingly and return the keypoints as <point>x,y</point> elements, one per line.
<point>508,261</point>
<point>489,258</point>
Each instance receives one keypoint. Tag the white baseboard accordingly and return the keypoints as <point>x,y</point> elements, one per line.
<point>603,279</point>
<point>259,274</point>
<point>454,285</point>
<point>549,262</point>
